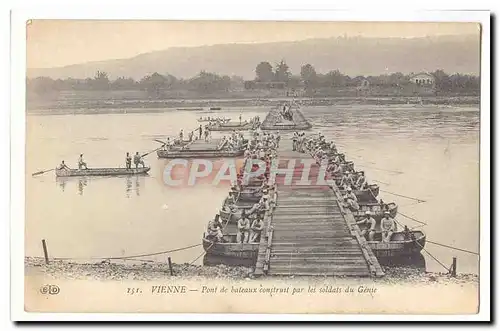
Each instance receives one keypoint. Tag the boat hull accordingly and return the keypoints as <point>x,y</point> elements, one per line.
<point>101,172</point>
<point>398,246</point>
<point>249,195</point>
<point>176,154</point>
<point>367,195</point>
<point>231,127</point>
<point>232,253</point>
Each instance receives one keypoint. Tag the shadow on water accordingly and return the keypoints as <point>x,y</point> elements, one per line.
<point>132,183</point>
<point>414,262</point>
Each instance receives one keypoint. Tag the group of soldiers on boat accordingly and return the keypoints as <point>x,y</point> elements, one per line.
<point>214,119</point>
<point>250,199</point>
<point>82,165</point>
<point>234,142</point>
<point>286,112</point>
<point>347,179</point>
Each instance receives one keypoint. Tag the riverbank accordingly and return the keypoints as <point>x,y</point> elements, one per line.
<point>140,271</point>
<point>161,105</point>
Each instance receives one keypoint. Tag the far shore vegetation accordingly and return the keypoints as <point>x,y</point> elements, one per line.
<point>271,81</point>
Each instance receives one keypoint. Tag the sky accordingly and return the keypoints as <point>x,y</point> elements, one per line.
<point>55,43</point>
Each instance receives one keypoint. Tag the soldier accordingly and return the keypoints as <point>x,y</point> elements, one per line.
<point>138,160</point>
<point>388,227</point>
<point>81,163</point>
<point>214,229</point>
<point>256,229</point>
<point>369,226</point>
<point>243,228</point>
<point>128,161</point>
<point>63,166</point>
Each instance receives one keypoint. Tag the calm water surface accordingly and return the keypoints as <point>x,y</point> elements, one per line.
<point>436,149</point>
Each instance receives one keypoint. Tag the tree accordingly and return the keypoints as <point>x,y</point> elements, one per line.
<point>282,72</point>
<point>264,72</point>
<point>153,83</point>
<point>41,85</point>
<point>443,82</point>
<point>309,76</point>
<point>101,81</point>
<point>336,79</point>
<point>122,83</point>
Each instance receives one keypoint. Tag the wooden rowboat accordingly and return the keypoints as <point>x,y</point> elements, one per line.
<point>231,252</point>
<point>401,244</point>
<point>246,254</point>
<point>251,195</point>
<point>366,195</point>
<point>101,172</point>
<point>224,120</point>
<point>193,153</point>
<point>232,126</point>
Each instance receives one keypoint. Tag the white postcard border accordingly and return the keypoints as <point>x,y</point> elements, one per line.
<point>209,11</point>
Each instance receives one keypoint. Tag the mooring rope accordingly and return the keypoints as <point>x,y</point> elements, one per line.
<point>455,248</point>
<point>404,196</point>
<point>422,247</point>
<point>411,218</point>
<point>128,257</point>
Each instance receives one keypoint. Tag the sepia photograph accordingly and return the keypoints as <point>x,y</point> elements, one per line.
<point>252,166</point>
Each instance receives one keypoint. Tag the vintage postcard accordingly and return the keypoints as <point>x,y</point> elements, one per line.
<point>293,166</point>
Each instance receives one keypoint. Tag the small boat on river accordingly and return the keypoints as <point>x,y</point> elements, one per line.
<point>212,119</point>
<point>366,195</point>
<point>197,153</point>
<point>401,244</point>
<point>230,126</point>
<point>229,251</point>
<point>245,254</point>
<point>250,194</point>
<point>101,172</point>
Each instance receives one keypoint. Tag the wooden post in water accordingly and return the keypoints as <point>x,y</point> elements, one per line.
<point>45,251</point>
<point>454,268</point>
<point>170,266</point>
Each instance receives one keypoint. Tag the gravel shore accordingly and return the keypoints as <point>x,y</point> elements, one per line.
<point>105,270</point>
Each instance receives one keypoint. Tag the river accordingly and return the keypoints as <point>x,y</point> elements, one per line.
<point>428,153</point>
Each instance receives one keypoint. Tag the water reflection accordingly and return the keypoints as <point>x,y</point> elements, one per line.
<point>82,183</point>
<point>132,183</point>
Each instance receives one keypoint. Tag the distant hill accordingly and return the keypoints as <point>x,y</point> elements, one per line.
<point>353,56</point>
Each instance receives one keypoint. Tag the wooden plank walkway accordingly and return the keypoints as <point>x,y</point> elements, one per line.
<point>310,233</point>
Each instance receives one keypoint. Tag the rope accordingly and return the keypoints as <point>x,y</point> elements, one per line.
<point>458,249</point>
<point>393,171</point>
<point>411,218</point>
<point>127,257</point>
<point>422,247</point>
<point>196,259</point>
<point>403,196</point>
<point>378,181</point>
<point>447,268</point>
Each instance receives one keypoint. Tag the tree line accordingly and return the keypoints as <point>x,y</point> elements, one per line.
<point>310,79</point>
<point>207,82</point>
<point>204,82</point>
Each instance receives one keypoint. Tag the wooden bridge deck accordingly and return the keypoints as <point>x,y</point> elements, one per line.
<point>310,233</point>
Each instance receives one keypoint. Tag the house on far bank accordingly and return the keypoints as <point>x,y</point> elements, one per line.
<point>423,79</point>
